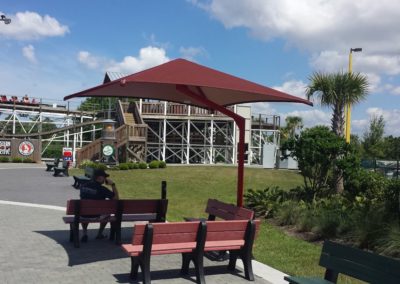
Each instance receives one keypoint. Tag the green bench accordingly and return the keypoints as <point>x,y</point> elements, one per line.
<point>51,165</point>
<point>61,168</point>
<point>362,265</point>
<point>79,180</point>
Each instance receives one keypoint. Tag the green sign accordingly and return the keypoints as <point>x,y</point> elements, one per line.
<point>108,150</point>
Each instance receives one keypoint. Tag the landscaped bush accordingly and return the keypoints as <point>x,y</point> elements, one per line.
<point>4,159</point>
<point>16,160</point>
<point>265,202</point>
<point>135,166</point>
<point>162,165</point>
<point>389,244</point>
<point>28,160</point>
<point>289,212</point>
<point>87,163</point>
<point>124,166</point>
<point>131,165</point>
<point>142,165</point>
<point>154,164</point>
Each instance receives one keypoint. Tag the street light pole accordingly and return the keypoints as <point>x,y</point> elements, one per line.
<point>348,107</point>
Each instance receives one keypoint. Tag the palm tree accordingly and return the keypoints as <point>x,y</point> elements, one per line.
<point>336,91</point>
<point>293,123</point>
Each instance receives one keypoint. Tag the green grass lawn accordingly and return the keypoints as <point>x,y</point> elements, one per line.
<point>189,188</point>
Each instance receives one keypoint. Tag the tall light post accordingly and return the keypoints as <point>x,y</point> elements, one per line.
<point>348,107</point>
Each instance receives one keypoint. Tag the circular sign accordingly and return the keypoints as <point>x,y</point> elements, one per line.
<point>26,148</point>
<point>108,150</point>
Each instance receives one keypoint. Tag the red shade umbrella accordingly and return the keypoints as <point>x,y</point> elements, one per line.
<point>186,82</point>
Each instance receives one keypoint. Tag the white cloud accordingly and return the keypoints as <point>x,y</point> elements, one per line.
<point>148,57</point>
<point>390,116</point>
<point>30,25</point>
<point>191,52</point>
<point>314,24</point>
<point>311,117</point>
<point>396,91</point>
<point>29,52</point>
<point>325,29</point>
<point>293,87</point>
<point>262,108</point>
<point>331,61</point>
<point>88,60</point>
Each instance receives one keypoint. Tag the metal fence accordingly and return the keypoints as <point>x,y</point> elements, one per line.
<point>390,169</point>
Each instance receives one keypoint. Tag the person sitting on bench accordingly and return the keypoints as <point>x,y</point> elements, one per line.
<point>96,191</point>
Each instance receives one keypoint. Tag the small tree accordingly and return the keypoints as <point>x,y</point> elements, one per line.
<point>317,151</point>
<point>373,138</point>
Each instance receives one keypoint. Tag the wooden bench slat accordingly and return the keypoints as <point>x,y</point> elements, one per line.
<point>140,206</point>
<point>70,219</point>
<point>210,244</point>
<point>228,211</point>
<point>159,249</point>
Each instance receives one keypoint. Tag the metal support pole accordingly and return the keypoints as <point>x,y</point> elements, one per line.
<point>212,141</point>
<point>188,142</point>
<point>164,137</point>
<point>240,121</point>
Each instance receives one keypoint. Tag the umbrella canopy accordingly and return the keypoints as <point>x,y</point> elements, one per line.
<point>186,82</point>
<point>160,83</point>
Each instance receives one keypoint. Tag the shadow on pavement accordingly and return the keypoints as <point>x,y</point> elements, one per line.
<point>92,251</point>
<point>171,274</point>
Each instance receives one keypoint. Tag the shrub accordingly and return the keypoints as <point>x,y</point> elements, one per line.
<point>154,164</point>
<point>162,165</point>
<point>265,202</point>
<point>124,166</point>
<point>142,165</point>
<point>289,213</point>
<point>100,166</point>
<point>318,151</point>
<point>4,159</point>
<point>87,163</point>
<point>135,166</point>
<point>17,160</point>
<point>27,160</point>
<point>131,165</point>
<point>389,244</point>
<point>369,223</point>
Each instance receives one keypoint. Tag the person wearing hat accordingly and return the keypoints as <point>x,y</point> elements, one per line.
<point>95,190</point>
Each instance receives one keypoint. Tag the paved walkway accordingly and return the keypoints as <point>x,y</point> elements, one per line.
<point>35,246</point>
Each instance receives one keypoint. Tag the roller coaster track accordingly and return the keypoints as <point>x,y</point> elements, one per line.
<point>8,135</point>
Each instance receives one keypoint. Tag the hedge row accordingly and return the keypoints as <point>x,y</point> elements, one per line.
<point>15,160</point>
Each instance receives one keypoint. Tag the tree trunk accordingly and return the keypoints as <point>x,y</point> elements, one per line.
<point>338,129</point>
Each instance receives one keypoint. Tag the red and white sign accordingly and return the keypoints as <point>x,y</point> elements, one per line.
<point>26,148</point>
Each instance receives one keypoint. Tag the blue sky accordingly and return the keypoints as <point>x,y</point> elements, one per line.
<point>55,48</point>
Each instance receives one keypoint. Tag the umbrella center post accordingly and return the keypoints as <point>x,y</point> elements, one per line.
<point>240,122</point>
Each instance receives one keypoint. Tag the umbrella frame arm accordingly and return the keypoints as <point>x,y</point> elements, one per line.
<point>240,122</point>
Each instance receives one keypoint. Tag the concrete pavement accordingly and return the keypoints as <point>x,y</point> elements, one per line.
<point>35,246</point>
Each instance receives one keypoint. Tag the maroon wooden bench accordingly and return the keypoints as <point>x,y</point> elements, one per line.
<point>191,239</point>
<point>79,208</point>
<point>218,209</point>
<point>237,237</point>
<point>187,238</point>
<point>151,210</point>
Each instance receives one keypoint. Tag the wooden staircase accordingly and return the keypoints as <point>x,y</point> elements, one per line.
<point>131,137</point>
